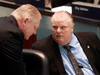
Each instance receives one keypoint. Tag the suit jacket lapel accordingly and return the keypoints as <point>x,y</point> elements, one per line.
<point>57,57</point>
<point>87,48</point>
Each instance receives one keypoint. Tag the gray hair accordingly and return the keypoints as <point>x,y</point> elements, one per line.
<point>26,10</point>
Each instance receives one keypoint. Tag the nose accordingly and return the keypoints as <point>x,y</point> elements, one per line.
<point>58,30</point>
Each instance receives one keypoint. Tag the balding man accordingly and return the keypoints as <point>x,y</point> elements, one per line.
<point>85,46</point>
<point>20,25</point>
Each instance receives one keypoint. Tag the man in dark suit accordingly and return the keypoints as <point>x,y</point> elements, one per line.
<point>85,47</point>
<point>22,23</point>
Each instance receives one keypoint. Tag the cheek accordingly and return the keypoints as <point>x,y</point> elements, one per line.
<point>66,33</point>
<point>30,30</point>
<point>53,32</point>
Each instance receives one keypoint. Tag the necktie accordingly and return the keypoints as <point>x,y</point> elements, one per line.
<point>73,61</point>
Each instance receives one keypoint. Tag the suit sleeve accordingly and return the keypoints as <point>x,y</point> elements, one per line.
<point>12,58</point>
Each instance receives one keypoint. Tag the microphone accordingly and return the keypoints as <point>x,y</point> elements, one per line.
<point>80,66</point>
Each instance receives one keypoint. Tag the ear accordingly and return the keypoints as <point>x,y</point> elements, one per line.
<point>25,20</point>
<point>72,27</point>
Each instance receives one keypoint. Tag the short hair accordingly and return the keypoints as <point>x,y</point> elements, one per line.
<point>26,10</point>
<point>62,12</point>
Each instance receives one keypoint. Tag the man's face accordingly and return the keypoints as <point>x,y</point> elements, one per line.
<point>62,31</point>
<point>31,28</point>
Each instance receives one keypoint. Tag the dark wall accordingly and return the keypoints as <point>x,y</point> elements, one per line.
<point>36,3</point>
<point>56,3</point>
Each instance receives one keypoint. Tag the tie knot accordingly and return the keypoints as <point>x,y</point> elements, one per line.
<point>67,47</point>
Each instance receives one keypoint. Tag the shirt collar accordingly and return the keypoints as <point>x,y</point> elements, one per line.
<point>73,41</point>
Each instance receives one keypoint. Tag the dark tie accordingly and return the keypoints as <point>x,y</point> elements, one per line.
<point>73,61</point>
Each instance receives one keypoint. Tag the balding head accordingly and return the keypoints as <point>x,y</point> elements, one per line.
<point>26,10</point>
<point>62,16</point>
<point>28,19</point>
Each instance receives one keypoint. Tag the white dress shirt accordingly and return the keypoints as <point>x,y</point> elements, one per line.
<point>79,55</point>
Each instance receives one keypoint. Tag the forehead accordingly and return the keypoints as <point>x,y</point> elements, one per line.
<point>61,18</point>
<point>64,22</point>
<point>62,15</point>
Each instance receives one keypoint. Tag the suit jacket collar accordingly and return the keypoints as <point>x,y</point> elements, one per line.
<point>86,45</point>
<point>13,20</point>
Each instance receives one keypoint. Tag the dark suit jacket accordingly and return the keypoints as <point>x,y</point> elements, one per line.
<point>11,45</point>
<point>51,50</point>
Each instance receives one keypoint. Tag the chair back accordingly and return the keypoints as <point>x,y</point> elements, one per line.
<point>36,62</point>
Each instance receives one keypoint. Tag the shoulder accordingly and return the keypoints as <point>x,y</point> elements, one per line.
<point>9,28</point>
<point>86,34</point>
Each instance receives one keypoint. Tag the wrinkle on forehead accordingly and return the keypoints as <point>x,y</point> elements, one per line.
<point>62,21</point>
<point>61,18</point>
<point>56,22</point>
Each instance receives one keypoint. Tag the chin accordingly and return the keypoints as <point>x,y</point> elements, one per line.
<point>60,42</point>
